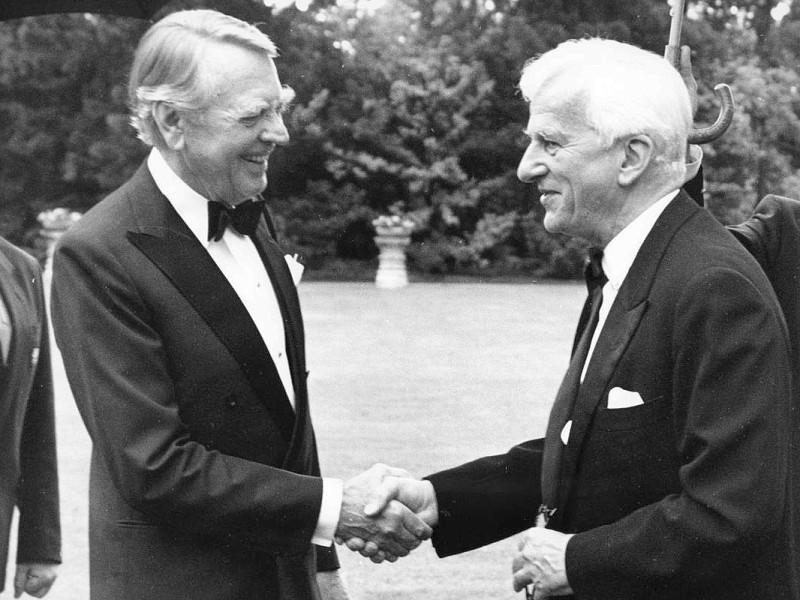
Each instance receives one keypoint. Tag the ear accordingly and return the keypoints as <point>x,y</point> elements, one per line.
<point>170,124</point>
<point>639,151</point>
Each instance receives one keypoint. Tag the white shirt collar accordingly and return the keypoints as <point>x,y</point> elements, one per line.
<point>693,161</point>
<point>190,206</point>
<point>619,254</point>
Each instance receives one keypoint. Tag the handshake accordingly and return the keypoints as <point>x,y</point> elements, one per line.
<point>386,513</point>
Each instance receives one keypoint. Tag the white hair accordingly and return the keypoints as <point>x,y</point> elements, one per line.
<point>167,63</point>
<point>622,90</point>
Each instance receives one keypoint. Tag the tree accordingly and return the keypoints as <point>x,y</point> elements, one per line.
<point>62,107</point>
<point>412,108</point>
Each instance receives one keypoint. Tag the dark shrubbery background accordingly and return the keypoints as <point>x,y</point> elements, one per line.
<point>410,108</point>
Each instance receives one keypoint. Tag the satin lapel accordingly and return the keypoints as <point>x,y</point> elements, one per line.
<point>611,345</point>
<point>166,240</point>
<point>285,291</point>
<point>620,326</point>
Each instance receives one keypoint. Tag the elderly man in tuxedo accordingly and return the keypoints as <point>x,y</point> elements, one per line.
<point>29,478</point>
<point>180,327</point>
<point>665,469</point>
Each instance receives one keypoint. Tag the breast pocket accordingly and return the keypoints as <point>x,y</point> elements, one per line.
<point>628,460</point>
<point>630,437</point>
<point>632,443</point>
<point>633,417</point>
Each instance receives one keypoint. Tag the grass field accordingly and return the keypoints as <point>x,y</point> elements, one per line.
<point>424,378</point>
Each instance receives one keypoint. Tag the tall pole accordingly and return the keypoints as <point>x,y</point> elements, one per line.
<point>673,50</point>
<point>672,53</point>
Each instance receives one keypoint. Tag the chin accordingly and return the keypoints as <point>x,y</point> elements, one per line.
<point>255,189</point>
<point>553,224</point>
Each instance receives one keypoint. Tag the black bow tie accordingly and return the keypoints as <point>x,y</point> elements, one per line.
<point>243,218</point>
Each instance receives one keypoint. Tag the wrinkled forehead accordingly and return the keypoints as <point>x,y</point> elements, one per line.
<point>561,91</point>
<point>561,108</point>
<point>243,80</point>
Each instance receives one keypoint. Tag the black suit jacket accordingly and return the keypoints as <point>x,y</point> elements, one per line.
<point>204,480</point>
<point>686,495</point>
<point>28,474</point>
<point>772,236</point>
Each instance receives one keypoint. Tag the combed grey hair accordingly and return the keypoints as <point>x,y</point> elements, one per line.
<point>622,91</point>
<point>167,63</point>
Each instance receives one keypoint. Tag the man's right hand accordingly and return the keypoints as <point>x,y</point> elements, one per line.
<point>390,531</point>
<point>417,496</point>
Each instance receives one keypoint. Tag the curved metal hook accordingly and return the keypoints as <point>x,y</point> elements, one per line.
<point>720,126</point>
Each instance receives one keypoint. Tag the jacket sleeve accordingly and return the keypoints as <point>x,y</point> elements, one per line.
<point>119,372</point>
<point>39,533</point>
<point>488,499</point>
<point>772,236</point>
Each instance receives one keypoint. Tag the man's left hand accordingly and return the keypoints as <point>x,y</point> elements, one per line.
<point>34,579</point>
<point>541,563</point>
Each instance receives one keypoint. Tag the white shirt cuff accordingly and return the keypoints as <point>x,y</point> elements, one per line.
<point>328,512</point>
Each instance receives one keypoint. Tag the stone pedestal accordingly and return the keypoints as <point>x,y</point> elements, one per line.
<point>392,244</point>
<point>54,223</point>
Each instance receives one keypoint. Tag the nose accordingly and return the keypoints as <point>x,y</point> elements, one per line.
<point>274,131</point>
<point>531,167</point>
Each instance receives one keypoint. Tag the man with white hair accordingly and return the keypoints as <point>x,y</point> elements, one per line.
<point>180,327</point>
<point>664,471</point>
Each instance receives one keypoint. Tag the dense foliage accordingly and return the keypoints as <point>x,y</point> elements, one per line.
<point>409,108</point>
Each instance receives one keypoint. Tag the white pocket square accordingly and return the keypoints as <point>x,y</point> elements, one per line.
<point>619,398</point>
<point>295,268</point>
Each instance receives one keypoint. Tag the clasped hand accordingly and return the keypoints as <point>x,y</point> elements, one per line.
<point>541,564</point>
<point>386,513</point>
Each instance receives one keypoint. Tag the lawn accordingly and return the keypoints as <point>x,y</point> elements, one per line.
<point>424,378</point>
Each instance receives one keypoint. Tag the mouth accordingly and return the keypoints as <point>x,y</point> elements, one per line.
<point>545,195</point>
<point>257,159</point>
<point>261,158</point>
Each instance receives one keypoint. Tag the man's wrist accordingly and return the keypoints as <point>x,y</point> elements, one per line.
<point>329,510</point>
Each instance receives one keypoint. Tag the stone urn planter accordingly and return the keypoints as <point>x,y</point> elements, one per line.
<point>393,236</point>
<point>54,223</point>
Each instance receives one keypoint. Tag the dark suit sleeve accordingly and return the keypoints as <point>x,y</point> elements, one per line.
<point>327,559</point>
<point>39,533</point>
<point>772,236</point>
<point>731,416</point>
<point>487,500</point>
<point>119,372</point>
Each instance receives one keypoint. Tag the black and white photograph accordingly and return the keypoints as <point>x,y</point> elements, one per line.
<point>400,299</point>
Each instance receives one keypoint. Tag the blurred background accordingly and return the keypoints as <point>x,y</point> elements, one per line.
<point>403,107</point>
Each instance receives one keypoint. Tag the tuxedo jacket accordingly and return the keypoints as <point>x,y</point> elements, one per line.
<point>28,475</point>
<point>204,480</point>
<point>686,495</point>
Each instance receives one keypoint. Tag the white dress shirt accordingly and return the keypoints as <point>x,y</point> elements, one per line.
<point>237,258</point>
<point>618,256</point>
